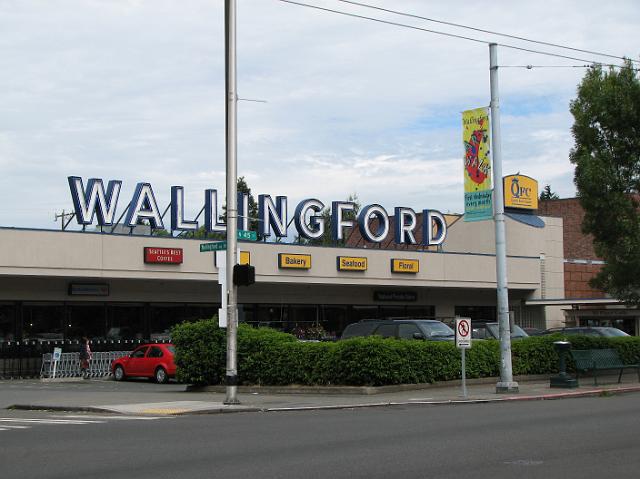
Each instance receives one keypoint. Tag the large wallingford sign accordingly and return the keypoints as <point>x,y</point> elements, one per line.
<point>93,201</point>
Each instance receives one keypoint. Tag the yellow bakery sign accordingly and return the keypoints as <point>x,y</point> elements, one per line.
<point>520,192</point>
<point>294,261</point>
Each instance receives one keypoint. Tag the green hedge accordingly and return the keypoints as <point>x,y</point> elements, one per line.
<point>269,357</point>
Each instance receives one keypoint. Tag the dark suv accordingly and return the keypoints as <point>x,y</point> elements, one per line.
<point>429,329</point>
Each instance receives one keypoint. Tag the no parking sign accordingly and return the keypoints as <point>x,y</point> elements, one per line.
<point>463,342</point>
<point>463,333</point>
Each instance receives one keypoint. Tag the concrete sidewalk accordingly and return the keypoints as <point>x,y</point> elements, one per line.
<point>143,398</point>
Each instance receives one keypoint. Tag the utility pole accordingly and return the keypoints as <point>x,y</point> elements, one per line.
<point>63,217</point>
<point>506,383</point>
<point>232,200</point>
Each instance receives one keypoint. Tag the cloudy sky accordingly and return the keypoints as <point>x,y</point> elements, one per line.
<point>134,90</point>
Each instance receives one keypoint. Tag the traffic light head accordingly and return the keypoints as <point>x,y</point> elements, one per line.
<point>244,275</point>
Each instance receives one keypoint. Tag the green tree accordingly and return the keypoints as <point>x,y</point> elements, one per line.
<point>607,175</point>
<point>547,194</point>
<point>242,187</point>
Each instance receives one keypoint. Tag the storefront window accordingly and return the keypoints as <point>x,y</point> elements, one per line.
<point>85,320</point>
<point>363,312</point>
<point>304,322</point>
<point>125,322</point>
<point>396,311</point>
<point>162,318</point>
<point>246,313</point>
<point>271,315</point>
<point>477,313</point>
<point>7,322</point>
<point>42,322</point>
<point>425,311</point>
<point>198,312</point>
<point>333,320</point>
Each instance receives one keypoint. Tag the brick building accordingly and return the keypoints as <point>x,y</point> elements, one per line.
<point>585,305</point>
<point>580,260</point>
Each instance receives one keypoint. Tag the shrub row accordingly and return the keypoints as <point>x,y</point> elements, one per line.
<point>270,357</point>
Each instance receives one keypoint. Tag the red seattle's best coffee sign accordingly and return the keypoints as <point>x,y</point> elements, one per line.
<point>163,255</point>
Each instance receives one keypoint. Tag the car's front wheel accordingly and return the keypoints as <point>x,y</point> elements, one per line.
<point>161,375</point>
<point>118,373</point>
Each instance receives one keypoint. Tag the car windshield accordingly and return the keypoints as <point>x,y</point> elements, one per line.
<point>613,332</point>
<point>439,330</point>
<point>516,331</point>
<point>358,329</point>
<point>172,349</point>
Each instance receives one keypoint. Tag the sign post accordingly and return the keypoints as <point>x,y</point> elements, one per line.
<point>222,281</point>
<point>57,352</point>
<point>506,383</point>
<point>463,342</point>
<point>220,248</point>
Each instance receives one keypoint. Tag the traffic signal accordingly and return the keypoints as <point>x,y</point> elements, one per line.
<point>244,275</point>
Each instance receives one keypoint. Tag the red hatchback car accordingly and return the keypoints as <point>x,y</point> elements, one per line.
<point>148,360</point>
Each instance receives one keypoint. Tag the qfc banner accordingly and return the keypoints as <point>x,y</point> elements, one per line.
<point>478,203</point>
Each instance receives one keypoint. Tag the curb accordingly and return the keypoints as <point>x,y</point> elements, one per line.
<point>446,402</point>
<point>357,390</point>
<point>108,410</point>
<point>44,407</point>
<point>443,402</point>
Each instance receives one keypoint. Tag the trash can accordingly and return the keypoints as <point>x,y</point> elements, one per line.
<point>562,380</point>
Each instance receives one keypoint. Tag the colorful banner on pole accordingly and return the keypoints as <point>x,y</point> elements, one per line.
<point>478,203</point>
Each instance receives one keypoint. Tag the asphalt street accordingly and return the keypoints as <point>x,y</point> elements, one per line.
<point>571,438</point>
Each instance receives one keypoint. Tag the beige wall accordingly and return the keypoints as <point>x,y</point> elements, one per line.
<point>74,254</point>
<point>38,265</point>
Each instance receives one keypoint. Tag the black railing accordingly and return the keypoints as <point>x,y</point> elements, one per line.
<point>23,359</point>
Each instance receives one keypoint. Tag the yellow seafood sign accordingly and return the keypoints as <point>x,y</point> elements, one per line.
<point>405,265</point>
<point>294,261</point>
<point>520,192</point>
<point>352,263</point>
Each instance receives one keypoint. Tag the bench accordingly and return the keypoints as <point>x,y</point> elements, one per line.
<point>599,360</point>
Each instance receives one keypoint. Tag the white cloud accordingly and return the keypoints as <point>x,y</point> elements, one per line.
<point>134,90</point>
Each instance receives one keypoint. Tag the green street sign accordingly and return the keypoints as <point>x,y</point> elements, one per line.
<point>217,246</point>
<point>222,245</point>
<point>247,235</point>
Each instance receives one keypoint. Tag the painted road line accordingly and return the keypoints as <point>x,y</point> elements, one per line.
<point>113,418</point>
<point>49,421</point>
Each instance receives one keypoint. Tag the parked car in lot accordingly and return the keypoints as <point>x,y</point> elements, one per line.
<point>597,331</point>
<point>428,329</point>
<point>492,331</point>
<point>533,331</point>
<point>153,361</point>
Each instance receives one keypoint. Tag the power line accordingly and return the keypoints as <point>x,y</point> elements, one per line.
<point>529,67</point>
<point>452,35</point>
<point>459,25</point>
<point>364,17</point>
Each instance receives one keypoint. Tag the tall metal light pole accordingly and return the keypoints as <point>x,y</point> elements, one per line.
<point>232,207</point>
<point>506,383</point>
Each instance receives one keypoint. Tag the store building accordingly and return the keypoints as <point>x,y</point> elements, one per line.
<point>61,284</point>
